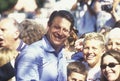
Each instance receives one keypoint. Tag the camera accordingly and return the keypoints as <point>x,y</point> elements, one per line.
<point>107,8</point>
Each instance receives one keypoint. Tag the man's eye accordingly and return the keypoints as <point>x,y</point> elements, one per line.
<point>94,48</point>
<point>56,27</point>
<point>2,29</point>
<point>118,43</point>
<point>109,43</point>
<point>85,48</point>
<point>65,30</point>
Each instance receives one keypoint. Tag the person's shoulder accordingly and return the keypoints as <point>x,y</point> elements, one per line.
<point>78,56</point>
<point>35,47</point>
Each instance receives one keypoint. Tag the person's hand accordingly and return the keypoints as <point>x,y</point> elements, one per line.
<point>79,44</point>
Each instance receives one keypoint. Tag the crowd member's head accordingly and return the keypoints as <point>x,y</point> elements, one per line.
<point>93,48</point>
<point>76,71</point>
<point>110,66</point>
<point>31,31</point>
<point>70,43</point>
<point>113,39</point>
<point>9,38</point>
<point>69,49</point>
<point>79,43</point>
<point>9,33</point>
<point>60,25</point>
<point>105,30</point>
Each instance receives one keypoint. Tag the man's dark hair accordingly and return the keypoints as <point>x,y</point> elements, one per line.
<point>117,24</point>
<point>63,14</point>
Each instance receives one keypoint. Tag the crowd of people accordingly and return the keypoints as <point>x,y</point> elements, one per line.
<point>79,42</point>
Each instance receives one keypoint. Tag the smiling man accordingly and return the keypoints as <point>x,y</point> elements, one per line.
<point>43,60</point>
<point>93,49</point>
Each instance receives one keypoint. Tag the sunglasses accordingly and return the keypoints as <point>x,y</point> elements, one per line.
<point>111,65</point>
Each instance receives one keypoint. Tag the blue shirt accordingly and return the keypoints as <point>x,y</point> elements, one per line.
<point>86,23</point>
<point>78,56</point>
<point>40,62</point>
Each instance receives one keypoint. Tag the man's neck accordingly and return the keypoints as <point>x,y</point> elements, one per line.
<point>96,65</point>
<point>15,44</point>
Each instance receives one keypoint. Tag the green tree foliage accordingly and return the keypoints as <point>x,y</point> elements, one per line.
<point>6,5</point>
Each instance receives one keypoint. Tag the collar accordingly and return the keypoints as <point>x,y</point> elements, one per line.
<point>48,47</point>
<point>21,46</point>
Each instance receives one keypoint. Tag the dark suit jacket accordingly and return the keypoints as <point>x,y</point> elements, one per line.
<point>6,72</point>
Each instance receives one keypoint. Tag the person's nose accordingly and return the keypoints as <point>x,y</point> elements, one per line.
<point>107,68</point>
<point>90,50</point>
<point>114,46</point>
<point>60,32</point>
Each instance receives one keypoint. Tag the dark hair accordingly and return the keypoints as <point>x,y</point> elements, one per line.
<point>64,14</point>
<point>117,24</point>
<point>76,66</point>
<point>114,54</point>
<point>70,42</point>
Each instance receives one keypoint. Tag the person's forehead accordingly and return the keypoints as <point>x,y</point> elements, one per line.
<point>7,20</point>
<point>92,42</point>
<point>109,58</point>
<point>78,76</point>
<point>115,33</point>
<point>62,21</point>
<point>6,23</point>
<point>59,18</point>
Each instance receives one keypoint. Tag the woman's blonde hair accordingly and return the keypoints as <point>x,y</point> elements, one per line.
<point>6,55</point>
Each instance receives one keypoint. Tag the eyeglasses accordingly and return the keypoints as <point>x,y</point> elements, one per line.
<point>111,65</point>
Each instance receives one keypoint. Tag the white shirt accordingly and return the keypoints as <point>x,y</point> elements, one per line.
<point>94,74</point>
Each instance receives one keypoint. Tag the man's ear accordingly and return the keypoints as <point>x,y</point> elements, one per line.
<point>104,50</point>
<point>47,28</point>
<point>49,24</point>
<point>16,35</point>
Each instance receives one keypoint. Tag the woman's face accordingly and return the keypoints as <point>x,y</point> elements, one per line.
<point>110,68</point>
